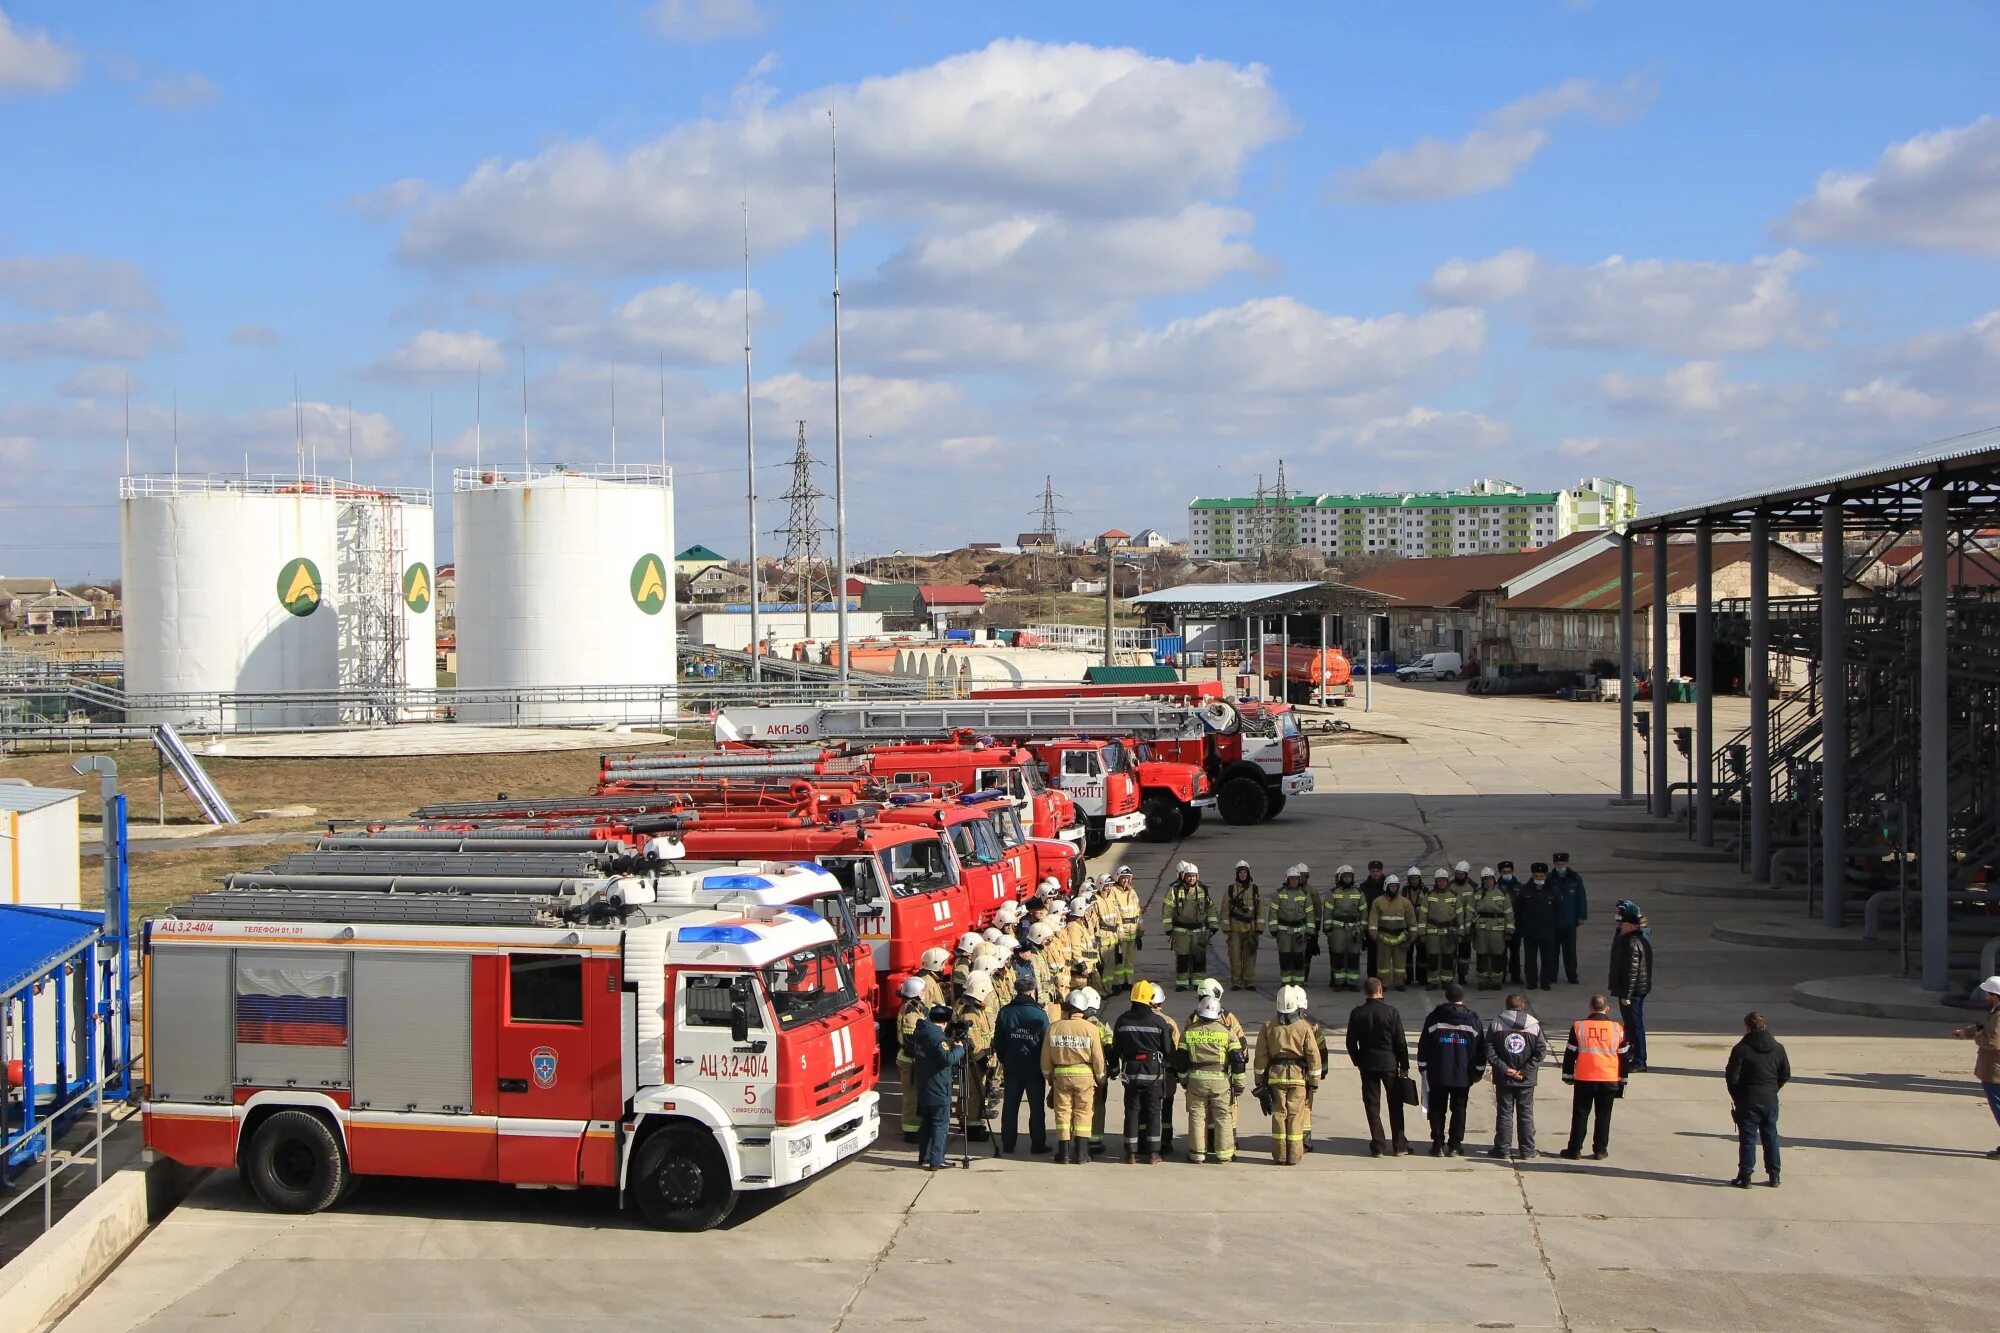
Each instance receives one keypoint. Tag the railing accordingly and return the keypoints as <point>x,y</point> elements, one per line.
<point>638,474</point>
<point>166,486</point>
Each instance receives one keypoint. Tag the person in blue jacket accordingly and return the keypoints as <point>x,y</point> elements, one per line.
<point>1575,911</point>
<point>935,1055</point>
<point>1017,1036</point>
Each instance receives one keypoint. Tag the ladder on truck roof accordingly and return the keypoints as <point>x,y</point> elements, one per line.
<point>1025,719</point>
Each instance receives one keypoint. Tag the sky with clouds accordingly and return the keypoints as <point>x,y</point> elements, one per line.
<point>1151,249</point>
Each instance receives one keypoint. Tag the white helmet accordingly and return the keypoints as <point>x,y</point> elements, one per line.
<point>1343,870</point>
<point>1440,873</point>
<point>1487,872</point>
<point>1210,1007</point>
<point>1187,868</point>
<point>1208,988</point>
<point>1414,873</point>
<point>979,986</point>
<point>1242,865</point>
<point>933,960</point>
<point>1291,999</point>
<point>1058,910</point>
<point>1078,1000</point>
<point>1397,880</point>
<point>1463,867</point>
<point>1048,885</point>
<point>1299,871</point>
<point>1041,933</point>
<point>992,935</point>
<point>911,987</point>
<point>969,942</point>
<point>1009,913</point>
<point>989,958</point>
<point>1123,872</point>
<point>1092,1001</point>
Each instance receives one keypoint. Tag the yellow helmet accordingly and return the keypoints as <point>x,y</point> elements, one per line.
<point>1145,992</point>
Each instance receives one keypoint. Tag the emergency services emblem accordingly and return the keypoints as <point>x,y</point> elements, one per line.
<point>1516,1044</point>
<point>543,1061</point>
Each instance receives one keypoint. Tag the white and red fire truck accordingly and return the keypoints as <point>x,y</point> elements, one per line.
<point>489,1023</point>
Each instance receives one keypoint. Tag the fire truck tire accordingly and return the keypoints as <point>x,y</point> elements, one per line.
<point>294,1163</point>
<point>1094,841</point>
<point>1242,800</point>
<point>1163,819</point>
<point>1190,819</point>
<point>1275,806</point>
<point>681,1182</point>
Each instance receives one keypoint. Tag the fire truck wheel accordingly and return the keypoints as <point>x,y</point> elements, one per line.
<point>1163,819</point>
<point>681,1182</point>
<point>294,1163</point>
<point>1190,819</point>
<point>1242,800</point>
<point>1094,841</point>
<point>1276,805</point>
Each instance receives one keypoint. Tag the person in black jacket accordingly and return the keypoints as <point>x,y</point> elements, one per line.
<point>1632,976</point>
<point>1380,1049</point>
<point>1451,1053</point>
<point>1513,887</point>
<point>937,1057</point>
<point>1758,1067</point>
<point>1142,1043</point>
<point>1575,911</point>
<point>1537,923</point>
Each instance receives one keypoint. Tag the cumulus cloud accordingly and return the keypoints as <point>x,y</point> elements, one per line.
<point>439,354</point>
<point>1492,155</point>
<point>97,382</point>
<point>182,92</point>
<point>97,336</point>
<point>1018,125</point>
<point>32,62</point>
<point>1936,191</point>
<point>254,335</point>
<point>1423,433</point>
<point>696,21</point>
<point>1678,308</point>
<point>683,323</point>
<point>398,196</point>
<point>74,282</point>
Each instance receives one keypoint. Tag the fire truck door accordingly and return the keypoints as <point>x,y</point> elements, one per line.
<point>723,1044</point>
<point>861,876</point>
<point>543,1061</point>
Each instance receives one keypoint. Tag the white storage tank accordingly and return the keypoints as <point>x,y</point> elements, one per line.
<point>565,585</point>
<point>231,586</point>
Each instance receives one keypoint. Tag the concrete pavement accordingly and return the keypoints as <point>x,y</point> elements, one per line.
<point>1879,1223</point>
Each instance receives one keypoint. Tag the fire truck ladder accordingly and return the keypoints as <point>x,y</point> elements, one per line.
<point>549,807</point>
<point>921,720</point>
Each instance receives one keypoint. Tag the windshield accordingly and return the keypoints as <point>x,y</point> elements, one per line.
<point>1031,777</point>
<point>866,889</point>
<point>1288,724</point>
<point>1007,826</point>
<point>973,841</point>
<point>1114,759</point>
<point>919,867</point>
<point>1141,753</point>
<point>811,984</point>
<point>839,912</point>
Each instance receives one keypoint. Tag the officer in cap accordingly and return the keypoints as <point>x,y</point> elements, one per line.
<point>1373,883</point>
<point>1538,919</point>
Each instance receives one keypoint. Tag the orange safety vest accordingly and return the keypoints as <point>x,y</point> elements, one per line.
<point>1596,1042</point>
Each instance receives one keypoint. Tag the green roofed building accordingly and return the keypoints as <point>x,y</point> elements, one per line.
<point>1487,517</point>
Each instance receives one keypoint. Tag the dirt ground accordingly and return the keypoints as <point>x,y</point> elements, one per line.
<point>70,642</point>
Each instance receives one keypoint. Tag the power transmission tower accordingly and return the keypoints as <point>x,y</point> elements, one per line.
<point>1050,533</point>
<point>802,533</point>
<point>1284,524</point>
<point>1259,544</point>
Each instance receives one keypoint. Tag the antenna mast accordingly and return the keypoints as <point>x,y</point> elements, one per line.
<point>663,409</point>
<point>750,454</point>
<point>526,466</point>
<point>177,430</point>
<point>614,417</point>
<point>478,411</point>
<point>128,420</point>
<point>839,440</point>
<point>350,442</point>
<point>298,432</point>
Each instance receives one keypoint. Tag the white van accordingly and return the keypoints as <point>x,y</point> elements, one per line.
<point>1432,666</point>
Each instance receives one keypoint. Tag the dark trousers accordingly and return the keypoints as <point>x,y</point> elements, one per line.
<point>1142,1117</point>
<point>1589,1097</point>
<point>1568,940</point>
<point>1515,1102</point>
<point>1755,1125</point>
<point>1538,955</point>
<point>1450,1100</point>
<point>1167,1115</point>
<point>1024,1084</point>
<point>1632,1013</point>
<point>1373,1088</point>
<point>1514,960</point>
<point>934,1128</point>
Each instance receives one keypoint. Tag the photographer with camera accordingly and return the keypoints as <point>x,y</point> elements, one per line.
<point>974,1021</point>
<point>934,1054</point>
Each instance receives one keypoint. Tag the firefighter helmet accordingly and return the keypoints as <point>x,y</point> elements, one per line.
<point>1242,865</point>
<point>1041,933</point>
<point>1208,987</point>
<point>1291,999</point>
<point>1441,873</point>
<point>1344,870</point>
<point>1396,880</point>
<point>1187,868</point>
<point>1145,992</point>
<point>1486,872</point>
<point>969,942</point>
<point>1048,885</point>
<point>1077,1001</point>
<point>911,987</point>
<point>1463,867</point>
<point>979,986</point>
<point>1210,1007</point>
<point>1092,1001</point>
<point>933,960</point>
<point>1009,913</point>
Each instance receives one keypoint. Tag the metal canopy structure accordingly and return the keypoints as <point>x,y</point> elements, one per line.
<point>1883,758</point>
<point>1223,601</point>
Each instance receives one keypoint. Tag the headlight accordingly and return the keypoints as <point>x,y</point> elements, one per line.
<point>800,1148</point>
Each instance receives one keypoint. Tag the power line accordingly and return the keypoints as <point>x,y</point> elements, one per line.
<point>802,531</point>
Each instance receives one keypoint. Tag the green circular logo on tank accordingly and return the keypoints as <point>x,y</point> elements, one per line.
<point>417,587</point>
<point>298,586</point>
<point>650,589</point>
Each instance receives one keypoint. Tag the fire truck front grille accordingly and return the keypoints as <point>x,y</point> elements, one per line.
<point>843,1083</point>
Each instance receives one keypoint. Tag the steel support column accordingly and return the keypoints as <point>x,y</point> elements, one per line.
<point>1759,685</point>
<point>1933,784</point>
<point>1704,684</point>
<point>1833,712</point>
<point>1625,681</point>
<point>1368,679</point>
<point>1662,804</point>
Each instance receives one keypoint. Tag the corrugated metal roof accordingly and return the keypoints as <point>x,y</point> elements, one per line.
<point>1593,584</point>
<point>1975,449</point>
<point>35,939</point>
<point>23,799</point>
<point>1308,597</point>
<point>951,594</point>
<point>1456,580</point>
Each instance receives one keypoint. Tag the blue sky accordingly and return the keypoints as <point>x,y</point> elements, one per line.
<point>1151,249</point>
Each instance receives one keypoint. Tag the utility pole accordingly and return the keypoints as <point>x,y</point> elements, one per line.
<point>839,440</point>
<point>802,530</point>
<point>1110,592</point>
<point>750,466</point>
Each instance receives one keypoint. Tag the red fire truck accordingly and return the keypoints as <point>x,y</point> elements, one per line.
<point>535,1030</point>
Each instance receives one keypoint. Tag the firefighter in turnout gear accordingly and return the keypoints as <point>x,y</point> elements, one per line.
<point>976,1011</point>
<point>1391,922</point>
<point>1131,921</point>
<point>1212,1055</point>
<point>1294,923</point>
<point>1073,1064</point>
<point>1492,925</point>
<point>1096,1015</point>
<point>1463,884</point>
<point>1188,910</point>
<point>1344,916</point>
<point>1106,917</point>
<point>915,1008</point>
<point>1442,924</point>
<point>1243,917</point>
<point>1288,1067</point>
<point>1211,989</point>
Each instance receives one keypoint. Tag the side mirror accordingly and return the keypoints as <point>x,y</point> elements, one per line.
<point>740,1000</point>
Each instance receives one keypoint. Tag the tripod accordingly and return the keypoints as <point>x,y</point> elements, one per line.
<point>961,1096</point>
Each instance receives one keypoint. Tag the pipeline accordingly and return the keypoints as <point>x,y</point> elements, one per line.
<point>547,886</point>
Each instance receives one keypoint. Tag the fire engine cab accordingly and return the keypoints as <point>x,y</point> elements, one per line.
<point>500,1020</point>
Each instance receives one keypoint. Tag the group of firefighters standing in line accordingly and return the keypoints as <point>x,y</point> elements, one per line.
<point>1017,1016</point>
